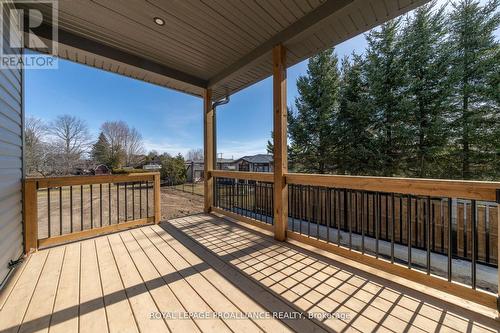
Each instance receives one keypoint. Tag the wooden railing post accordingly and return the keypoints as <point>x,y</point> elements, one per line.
<point>208,149</point>
<point>30,215</point>
<point>280,143</point>
<point>157,197</point>
<point>498,253</point>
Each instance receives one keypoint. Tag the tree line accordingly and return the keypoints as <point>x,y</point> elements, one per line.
<point>422,101</point>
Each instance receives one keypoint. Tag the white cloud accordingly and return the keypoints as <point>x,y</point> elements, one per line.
<point>166,147</point>
<point>236,149</point>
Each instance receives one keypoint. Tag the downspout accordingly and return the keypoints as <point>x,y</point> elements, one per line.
<point>222,101</point>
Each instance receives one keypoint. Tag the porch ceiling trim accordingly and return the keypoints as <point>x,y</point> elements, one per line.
<point>301,25</point>
<point>88,45</point>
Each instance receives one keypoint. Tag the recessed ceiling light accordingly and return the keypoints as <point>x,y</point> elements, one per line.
<point>159,21</point>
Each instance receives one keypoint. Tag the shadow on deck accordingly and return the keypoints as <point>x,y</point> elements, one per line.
<point>202,273</point>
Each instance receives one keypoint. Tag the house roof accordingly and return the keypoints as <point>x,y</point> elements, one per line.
<point>259,158</point>
<point>219,160</point>
<point>223,45</point>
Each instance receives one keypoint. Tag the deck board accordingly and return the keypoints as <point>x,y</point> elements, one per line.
<point>204,264</point>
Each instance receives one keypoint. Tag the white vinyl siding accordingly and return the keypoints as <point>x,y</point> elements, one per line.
<point>11,166</point>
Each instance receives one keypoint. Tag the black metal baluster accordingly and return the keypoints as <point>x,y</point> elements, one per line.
<point>386,216</point>
<point>60,211</point>
<point>271,202</point>
<point>100,204</point>
<point>450,237</point>
<point>487,232</point>
<point>393,211</point>
<point>337,211</point>
<point>417,221</point>
<point>117,203</point>
<point>91,208</point>
<point>377,222</point>
<point>329,213</point>
<point>49,225</point>
<point>147,199</point>
<point>319,190</point>
<point>356,212</point>
<point>309,211</point>
<point>408,222</point>
<point>109,203</point>
<point>432,227</point>
<point>348,216</point>
<point>81,207</point>
<point>428,235</point>
<point>362,222</point>
<point>401,219</point>
<point>71,209</point>
<point>474,243</point>
<point>465,229</point>
<point>126,201</point>
<point>133,201</point>
<point>140,198</point>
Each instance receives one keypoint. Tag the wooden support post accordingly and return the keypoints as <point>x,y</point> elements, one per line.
<point>498,253</point>
<point>30,213</point>
<point>157,197</point>
<point>208,145</point>
<point>280,143</point>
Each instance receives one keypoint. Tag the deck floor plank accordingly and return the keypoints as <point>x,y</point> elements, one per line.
<point>205,264</point>
<point>314,285</point>
<point>39,312</point>
<point>14,309</point>
<point>238,298</point>
<point>92,314</point>
<point>159,290</point>
<point>140,299</point>
<point>65,317</point>
<point>119,312</point>
<point>217,300</point>
<point>187,292</point>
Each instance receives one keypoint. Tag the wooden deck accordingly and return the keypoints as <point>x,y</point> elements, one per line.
<point>203,265</point>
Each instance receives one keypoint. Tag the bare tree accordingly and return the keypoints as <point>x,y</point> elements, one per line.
<point>71,140</point>
<point>134,147</point>
<point>125,142</point>
<point>194,154</point>
<point>35,147</point>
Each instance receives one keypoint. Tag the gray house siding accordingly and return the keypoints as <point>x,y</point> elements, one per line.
<point>11,166</point>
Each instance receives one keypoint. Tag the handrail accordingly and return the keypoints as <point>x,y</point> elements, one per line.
<point>463,189</point>
<point>50,182</point>
<point>257,176</point>
<point>30,202</point>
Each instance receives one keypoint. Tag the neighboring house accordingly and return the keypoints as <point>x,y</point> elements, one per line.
<point>195,169</point>
<point>255,163</point>
<point>101,169</point>
<point>151,166</point>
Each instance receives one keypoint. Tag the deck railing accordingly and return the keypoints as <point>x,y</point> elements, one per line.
<point>442,228</point>
<point>62,209</point>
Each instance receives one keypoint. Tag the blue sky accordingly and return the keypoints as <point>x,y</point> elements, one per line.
<point>168,120</point>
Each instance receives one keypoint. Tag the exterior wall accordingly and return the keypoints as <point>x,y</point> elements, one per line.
<point>11,165</point>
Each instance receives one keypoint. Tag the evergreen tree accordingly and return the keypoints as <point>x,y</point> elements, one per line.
<point>426,66</point>
<point>354,130</point>
<point>270,145</point>
<point>475,69</point>
<point>385,80</point>
<point>101,151</point>
<point>311,125</point>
